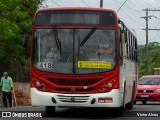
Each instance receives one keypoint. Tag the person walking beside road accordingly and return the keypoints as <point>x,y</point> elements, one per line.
<point>7,86</point>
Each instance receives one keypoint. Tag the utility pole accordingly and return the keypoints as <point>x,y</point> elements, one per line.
<point>101,3</point>
<point>150,18</point>
<point>147,54</point>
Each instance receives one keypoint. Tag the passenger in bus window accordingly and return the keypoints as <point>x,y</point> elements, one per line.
<point>106,52</point>
<point>49,56</point>
<point>52,56</point>
<point>104,48</point>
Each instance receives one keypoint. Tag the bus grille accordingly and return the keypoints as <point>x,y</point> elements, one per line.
<point>75,85</point>
<point>74,82</point>
<point>79,90</point>
<point>77,99</point>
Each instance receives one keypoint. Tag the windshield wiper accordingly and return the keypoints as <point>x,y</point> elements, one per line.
<point>58,42</point>
<point>80,44</point>
<point>87,36</point>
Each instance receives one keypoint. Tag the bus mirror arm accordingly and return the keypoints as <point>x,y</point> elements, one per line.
<point>120,22</point>
<point>25,40</point>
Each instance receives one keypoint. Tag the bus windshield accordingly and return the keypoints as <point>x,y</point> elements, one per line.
<point>74,51</point>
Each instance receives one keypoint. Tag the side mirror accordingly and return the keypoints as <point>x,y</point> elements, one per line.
<point>26,40</point>
<point>123,45</point>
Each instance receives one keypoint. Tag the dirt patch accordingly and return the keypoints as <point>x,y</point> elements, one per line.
<point>21,94</point>
<point>21,98</point>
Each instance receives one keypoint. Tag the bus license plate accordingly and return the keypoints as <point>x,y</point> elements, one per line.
<point>144,96</point>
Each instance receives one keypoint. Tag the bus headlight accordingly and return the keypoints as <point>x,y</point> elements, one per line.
<point>109,84</point>
<point>38,83</point>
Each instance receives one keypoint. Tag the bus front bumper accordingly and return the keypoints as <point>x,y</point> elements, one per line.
<point>111,99</point>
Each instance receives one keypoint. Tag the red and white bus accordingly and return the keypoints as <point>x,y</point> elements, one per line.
<point>82,57</point>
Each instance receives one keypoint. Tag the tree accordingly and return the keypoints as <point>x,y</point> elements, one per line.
<point>15,20</point>
<point>154,57</point>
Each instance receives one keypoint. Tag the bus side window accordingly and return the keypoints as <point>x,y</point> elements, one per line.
<point>120,40</point>
<point>123,51</point>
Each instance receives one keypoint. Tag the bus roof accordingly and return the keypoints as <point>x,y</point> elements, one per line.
<point>89,9</point>
<point>78,8</point>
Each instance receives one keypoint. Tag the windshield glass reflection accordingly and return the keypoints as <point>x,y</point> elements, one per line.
<point>74,50</point>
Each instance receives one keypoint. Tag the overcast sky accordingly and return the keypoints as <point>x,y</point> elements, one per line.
<point>130,14</point>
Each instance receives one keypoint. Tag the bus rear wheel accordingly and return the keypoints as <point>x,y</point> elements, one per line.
<point>50,110</point>
<point>129,106</point>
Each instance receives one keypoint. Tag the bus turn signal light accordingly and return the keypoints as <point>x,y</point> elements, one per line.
<point>104,89</point>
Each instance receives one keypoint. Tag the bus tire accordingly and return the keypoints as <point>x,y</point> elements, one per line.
<point>118,111</point>
<point>124,95</point>
<point>50,110</point>
<point>129,106</point>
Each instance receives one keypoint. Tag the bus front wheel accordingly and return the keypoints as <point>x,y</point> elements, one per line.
<point>50,110</point>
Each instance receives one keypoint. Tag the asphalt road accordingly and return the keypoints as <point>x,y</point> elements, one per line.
<point>151,111</point>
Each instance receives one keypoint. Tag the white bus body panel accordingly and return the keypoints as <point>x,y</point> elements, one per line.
<point>45,99</point>
<point>128,75</point>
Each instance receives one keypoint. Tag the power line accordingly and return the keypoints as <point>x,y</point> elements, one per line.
<point>129,15</point>
<point>84,3</point>
<point>122,5</point>
<point>134,6</point>
<point>152,33</point>
<point>148,4</point>
<point>146,17</point>
<point>138,5</point>
<point>56,3</point>
<point>134,15</point>
<point>69,3</point>
<point>142,3</point>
